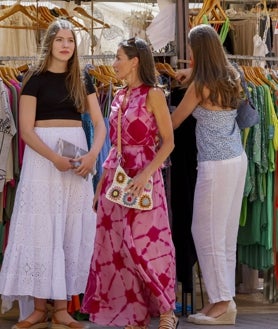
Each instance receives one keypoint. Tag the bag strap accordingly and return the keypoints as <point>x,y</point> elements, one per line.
<point>119,133</point>
<point>119,127</point>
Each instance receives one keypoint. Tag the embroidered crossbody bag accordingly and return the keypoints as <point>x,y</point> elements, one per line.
<point>117,193</point>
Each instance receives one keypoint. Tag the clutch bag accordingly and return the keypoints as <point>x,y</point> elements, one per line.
<point>70,150</point>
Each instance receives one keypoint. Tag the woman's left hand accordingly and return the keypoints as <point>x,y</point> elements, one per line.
<point>83,166</point>
<point>137,184</point>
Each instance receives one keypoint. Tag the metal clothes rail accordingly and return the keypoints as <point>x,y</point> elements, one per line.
<point>256,58</point>
<point>247,57</point>
<point>33,58</point>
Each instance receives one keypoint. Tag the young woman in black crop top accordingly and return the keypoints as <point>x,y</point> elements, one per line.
<point>52,228</point>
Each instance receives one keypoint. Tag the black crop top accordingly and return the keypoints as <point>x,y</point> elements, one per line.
<point>53,101</point>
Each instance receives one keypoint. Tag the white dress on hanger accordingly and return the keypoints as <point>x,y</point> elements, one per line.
<point>260,47</point>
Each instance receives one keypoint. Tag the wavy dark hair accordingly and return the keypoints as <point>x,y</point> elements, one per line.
<point>136,47</point>
<point>74,78</point>
<point>212,69</point>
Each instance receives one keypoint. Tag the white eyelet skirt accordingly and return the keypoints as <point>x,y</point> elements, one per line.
<point>52,228</point>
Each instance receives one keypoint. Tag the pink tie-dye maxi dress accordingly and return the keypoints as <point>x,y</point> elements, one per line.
<point>132,273</point>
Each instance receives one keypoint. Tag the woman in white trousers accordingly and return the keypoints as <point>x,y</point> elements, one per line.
<point>212,96</point>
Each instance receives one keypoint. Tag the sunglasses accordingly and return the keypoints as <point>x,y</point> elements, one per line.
<point>138,44</point>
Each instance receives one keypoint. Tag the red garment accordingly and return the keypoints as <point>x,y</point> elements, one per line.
<point>132,273</point>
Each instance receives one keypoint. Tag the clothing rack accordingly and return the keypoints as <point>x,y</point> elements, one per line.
<point>107,56</point>
<point>256,58</point>
<point>17,58</point>
<point>33,58</point>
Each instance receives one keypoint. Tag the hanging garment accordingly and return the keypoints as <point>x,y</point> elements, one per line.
<point>183,179</point>
<point>255,241</point>
<point>7,131</point>
<point>159,32</point>
<point>260,46</point>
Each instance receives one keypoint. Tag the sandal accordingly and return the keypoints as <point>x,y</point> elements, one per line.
<point>168,321</point>
<point>42,323</point>
<point>135,327</point>
<point>62,325</point>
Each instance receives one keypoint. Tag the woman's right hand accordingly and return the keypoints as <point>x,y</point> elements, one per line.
<point>62,163</point>
<point>96,196</point>
<point>98,190</point>
<point>183,75</point>
<point>95,203</point>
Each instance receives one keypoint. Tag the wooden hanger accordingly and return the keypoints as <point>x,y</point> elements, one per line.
<point>165,68</point>
<point>203,10</point>
<point>99,76</point>
<point>213,10</point>
<point>63,12</point>
<point>4,76</point>
<point>105,74</point>
<point>44,13</point>
<point>170,70</point>
<point>23,68</point>
<point>255,76</point>
<point>250,76</point>
<point>14,73</point>
<point>84,13</point>
<point>18,8</point>
<point>259,71</point>
<point>107,70</point>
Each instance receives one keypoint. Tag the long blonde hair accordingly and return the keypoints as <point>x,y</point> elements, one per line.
<point>74,79</point>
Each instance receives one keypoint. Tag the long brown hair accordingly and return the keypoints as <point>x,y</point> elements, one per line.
<point>136,47</point>
<point>211,68</point>
<point>74,80</point>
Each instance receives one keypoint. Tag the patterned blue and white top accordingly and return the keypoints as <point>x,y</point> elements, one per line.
<point>217,134</point>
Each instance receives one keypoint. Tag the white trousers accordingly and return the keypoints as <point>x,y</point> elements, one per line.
<point>217,205</point>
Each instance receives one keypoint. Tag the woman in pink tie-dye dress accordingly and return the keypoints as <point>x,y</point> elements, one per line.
<point>132,273</point>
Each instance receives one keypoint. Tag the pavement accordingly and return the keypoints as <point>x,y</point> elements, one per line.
<point>254,311</point>
<point>257,317</point>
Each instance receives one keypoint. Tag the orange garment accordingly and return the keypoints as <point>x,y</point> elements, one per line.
<point>74,304</point>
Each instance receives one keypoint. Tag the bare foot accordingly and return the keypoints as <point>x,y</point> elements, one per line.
<point>36,316</point>
<point>206,308</point>
<point>63,317</point>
